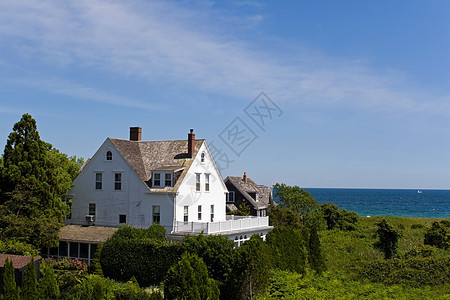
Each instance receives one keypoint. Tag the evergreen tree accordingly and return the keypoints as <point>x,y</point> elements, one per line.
<point>29,286</point>
<point>251,271</point>
<point>188,279</point>
<point>288,248</point>
<point>315,256</point>
<point>48,286</point>
<point>33,179</point>
<point>387,239</point>
<point>10,288</point>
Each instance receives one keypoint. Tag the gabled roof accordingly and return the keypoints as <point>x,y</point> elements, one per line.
<point>264,192</point>
<point>19,261</point>
<point>145,157</point>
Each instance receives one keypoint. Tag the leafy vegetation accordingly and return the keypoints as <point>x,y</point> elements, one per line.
<point>438,235</point>
<point>143,253</point>
<point>188,279</point>
<point>33,179</point>
<point>387,239</point>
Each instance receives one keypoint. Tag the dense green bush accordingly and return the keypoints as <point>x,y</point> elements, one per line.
<point>217,252</point>
<point>10,290</point>
<point>388,238</point>
<point>29,285</point>
<point>288,248</point>
<point>337,218</point>
<point>188,279</point>
<point>438,235</point>
<point>146,259</point>
<point>416,271</point>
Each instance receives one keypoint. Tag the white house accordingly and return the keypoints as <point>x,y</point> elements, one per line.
<point>174,183</point>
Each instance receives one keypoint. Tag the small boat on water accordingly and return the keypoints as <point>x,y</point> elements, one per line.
<point>419,192</point>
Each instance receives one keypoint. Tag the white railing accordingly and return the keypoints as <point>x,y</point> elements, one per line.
<point>233,223</point>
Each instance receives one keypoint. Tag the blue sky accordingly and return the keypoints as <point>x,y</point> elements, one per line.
<point>362,86</point>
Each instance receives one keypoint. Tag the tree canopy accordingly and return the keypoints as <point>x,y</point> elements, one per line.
<point>295,198</point>
<point>33,179</point>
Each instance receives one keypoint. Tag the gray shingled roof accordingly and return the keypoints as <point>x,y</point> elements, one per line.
<point>264,192</point>
<point>79,233</point>
<point>145,157</point>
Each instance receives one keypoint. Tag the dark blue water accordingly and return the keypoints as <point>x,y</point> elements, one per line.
<point>387,202</point>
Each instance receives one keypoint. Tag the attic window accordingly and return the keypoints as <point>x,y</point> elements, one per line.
<point>203,157</point>
<point>157,179</point>
<point>109,155</point>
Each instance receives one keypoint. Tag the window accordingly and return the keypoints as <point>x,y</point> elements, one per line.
<point>98,181</point>
<point>168,179</point>
<point>230,196</point>
<point>109,155</point>
<point>197,182</point>
<point>92,209</point>
<point>122,219</point>
<point>203,157</point>
<point>157,179</point>
<point>73,249</point>
<point>212,213</point>
<point>206,182</point>
<point>186,214</point>
<point>199,212</point>
<point>156,213</point>
<point>84,250</point>
<point>117,181</point>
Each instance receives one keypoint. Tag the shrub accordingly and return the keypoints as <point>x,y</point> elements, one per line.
<point>336,218</point>
<point>438,235</point>
<point>288,248</point>
<point>147,259</point>
<point>29,286</point>
<point>188,279</point>
<point>48,286</point>
<point>387,239</point>
<point>10,288</point>
<point>414,271</point>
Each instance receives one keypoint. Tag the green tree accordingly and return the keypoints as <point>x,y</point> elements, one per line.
<point>33,179</point>
<point>48,285</point>
<point>95,267</point>
<point>29,286</point>
<point>387,239</point>
<point>217,252</point>
<point>315,257</point>
<point>438,235</point>
<point>10,288</point>
<point>188,279</point>
<point>295,198</point>
<point>251,271</point>
<point>288,248</point>
<point>98,292</point>
<point>336,218</point>
<point>281,216</point>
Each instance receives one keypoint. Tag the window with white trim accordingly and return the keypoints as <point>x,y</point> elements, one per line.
<point>156,211</point>
<point>197,182</point>
<point>202,157</point>
<point>157,179</point>
<point>122,219</point>
<point>108,155</point>
<point>168,179</point>
<point>117,181</point>
<point>91,209</point>
<point>206,182</point>
<point>212,212</point>
<point>98,181</point>
<point>230,196</point>
<point>186,214</point>
<point>199,212</point>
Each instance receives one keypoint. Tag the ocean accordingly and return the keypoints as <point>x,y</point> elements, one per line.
<point>387,202</point>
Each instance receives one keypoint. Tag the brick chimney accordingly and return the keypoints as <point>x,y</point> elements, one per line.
<point>244,178</point>
<point>191,143</point>
<point>135,133</point>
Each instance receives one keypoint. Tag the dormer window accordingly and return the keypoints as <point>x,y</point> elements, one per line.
<point>108,155</point>
<point>157,179</point>
<point>168,179</point>
<point>202,157</point>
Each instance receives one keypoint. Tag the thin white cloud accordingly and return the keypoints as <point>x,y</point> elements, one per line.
<point>164,43</point>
